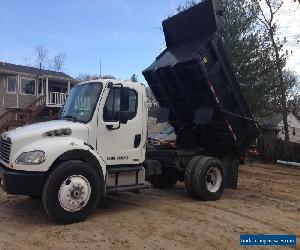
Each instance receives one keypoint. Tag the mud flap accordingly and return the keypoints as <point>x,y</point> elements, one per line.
<point>232,172</point>
<point>152,167</point>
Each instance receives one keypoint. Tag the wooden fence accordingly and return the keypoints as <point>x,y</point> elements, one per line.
<point>271,150</point>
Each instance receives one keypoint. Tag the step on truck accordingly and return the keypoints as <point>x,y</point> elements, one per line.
<point>98,144</point>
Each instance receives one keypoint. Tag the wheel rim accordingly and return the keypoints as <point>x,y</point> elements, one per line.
<point>74,193</point>
<point>213,179</point>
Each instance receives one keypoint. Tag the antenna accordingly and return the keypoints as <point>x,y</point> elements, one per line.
<point>100,69</point>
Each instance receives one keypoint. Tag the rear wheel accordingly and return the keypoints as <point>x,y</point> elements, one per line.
<point>35,197</point>
<point>71,192</point>
<point>208,180</point>
<point>189,173</point>
<point>167,179</point>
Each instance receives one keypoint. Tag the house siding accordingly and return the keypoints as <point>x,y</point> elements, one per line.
<point>294,125</point>
<point>2,91</point>
<point>25,100</point>
<point>18,100</point>
<point>10,100</point>
<point>293,137</point>
<point>14,100</point>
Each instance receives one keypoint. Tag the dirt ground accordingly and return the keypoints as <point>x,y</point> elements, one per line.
<point>267,201</point>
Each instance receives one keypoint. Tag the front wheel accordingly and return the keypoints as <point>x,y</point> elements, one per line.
<point>71,192</point>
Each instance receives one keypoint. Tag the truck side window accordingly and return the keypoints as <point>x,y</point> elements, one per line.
<point>132,104</point>
<point>111,110</point>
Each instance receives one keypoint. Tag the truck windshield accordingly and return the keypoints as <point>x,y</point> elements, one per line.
<point>81,102</point>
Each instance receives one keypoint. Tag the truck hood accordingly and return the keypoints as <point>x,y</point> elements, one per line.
<point>37,130</point>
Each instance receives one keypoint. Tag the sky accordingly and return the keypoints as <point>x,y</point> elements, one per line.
<point>289,28</point>
<point>125,35</point>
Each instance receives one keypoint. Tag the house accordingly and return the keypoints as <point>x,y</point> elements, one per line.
<point>26,92</point>
<point>272,126</point>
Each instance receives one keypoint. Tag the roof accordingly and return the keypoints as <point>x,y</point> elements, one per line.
<point>271,121</point>
<point>113,81</point>
<point>4,66</point>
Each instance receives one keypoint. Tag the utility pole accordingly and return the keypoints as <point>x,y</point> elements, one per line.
<point>100,69</point>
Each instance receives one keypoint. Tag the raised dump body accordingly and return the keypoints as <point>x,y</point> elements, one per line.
<point>196,88</point>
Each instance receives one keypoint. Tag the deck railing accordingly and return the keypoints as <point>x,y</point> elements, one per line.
<point>7,118</point>
<point>32,110</point>
<point>56,99</point>
<point>22,117</point>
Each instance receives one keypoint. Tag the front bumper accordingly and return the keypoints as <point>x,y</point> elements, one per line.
<point>20,182</point>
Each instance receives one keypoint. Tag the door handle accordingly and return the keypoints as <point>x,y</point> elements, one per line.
<point>137,140</point>
<point>112,125</point>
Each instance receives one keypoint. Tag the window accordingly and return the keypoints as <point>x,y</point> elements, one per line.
<point>294,131</point>
<point>11,84</point>
<point>27,86</point>
<point>82,102</point>
<point>111,110</point>
<point>132,104</point>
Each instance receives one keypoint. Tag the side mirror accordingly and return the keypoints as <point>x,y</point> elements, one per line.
<point>124,116</point>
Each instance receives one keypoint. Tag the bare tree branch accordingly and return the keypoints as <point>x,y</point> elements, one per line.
<point>58,62</point>
<point>41,56</point>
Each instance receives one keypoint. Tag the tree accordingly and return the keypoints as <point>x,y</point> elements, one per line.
<point>134,78</point>
<point>294,106</point>
<point>268,10</point>
<point>108,77</point>
<point>58,62</point>
<point>292,83</point>
<point>82,77</point>
<point>152,104</point>
<point>188,4</point>
<point>41,56</point>
<point>244,41</point>
<point>27,61</point>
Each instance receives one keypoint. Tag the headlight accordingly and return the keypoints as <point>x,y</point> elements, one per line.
<point>33,157</point>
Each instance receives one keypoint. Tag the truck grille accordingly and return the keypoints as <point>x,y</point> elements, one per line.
<point>5,147</point>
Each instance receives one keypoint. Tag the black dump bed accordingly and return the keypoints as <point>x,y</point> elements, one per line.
<point>196,88</point>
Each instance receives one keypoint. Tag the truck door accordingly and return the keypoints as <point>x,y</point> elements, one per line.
<point>120,142</point>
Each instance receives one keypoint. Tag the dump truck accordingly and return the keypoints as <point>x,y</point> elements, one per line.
<point>98,143</point>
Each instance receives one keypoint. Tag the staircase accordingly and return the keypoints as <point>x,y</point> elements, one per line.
<point>17,118</point>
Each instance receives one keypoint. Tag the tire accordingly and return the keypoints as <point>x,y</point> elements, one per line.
<point>189,173</point>
<point>66,203</point>
<point>35,197</point>
<point>242,160</point>
<point>208,180</point>
<point>167,179</point>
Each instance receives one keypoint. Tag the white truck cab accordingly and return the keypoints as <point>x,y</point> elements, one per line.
<point>102,126</point>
